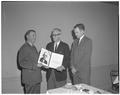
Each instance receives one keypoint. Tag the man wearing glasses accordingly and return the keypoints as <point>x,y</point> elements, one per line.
<point>57,77</point>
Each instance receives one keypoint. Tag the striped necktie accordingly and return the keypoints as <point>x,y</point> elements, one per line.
<point>55,47</point>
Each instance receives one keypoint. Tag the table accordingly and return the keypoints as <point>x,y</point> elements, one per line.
<point>79,88</point>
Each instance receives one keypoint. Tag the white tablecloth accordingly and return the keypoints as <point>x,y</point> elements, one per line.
<point>80,88</point>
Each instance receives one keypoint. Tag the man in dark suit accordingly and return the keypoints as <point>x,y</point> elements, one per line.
<point>28,60</point>
<point>81,51</point>
<point>57,77</point>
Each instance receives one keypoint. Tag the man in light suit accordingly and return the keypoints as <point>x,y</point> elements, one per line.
<point>57,77</point>
<point>28,60</point>
<point>81,51</point>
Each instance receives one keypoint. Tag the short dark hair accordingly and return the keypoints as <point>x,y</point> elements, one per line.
<point>80,26</point>
<point>28,32</point>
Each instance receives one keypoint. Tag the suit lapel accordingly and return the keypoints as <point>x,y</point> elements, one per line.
<point>82,42</point>
<point>52,47</point>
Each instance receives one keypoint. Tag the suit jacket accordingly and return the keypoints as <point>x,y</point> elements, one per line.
<point>81,56</point>
<point>63,48</point>
<point>27,60</point>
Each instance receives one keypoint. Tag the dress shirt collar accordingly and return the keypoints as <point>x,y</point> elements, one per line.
<point>57,43</point>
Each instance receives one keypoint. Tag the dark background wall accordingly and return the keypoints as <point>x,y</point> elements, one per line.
<point>101,22</point>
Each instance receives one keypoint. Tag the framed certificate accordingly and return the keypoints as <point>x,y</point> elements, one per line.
<point>50,59</point>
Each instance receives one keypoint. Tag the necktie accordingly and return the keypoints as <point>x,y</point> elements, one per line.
<point>55,47</point>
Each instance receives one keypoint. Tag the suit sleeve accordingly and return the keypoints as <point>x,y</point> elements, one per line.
<point>71,56</point>
<point>25,60</point>
<point>66,60</point>
<point>47,46</point>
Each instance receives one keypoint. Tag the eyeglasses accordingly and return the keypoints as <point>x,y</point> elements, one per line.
<point>56,34</point>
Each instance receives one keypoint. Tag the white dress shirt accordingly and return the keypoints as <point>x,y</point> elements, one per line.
<point>81,38</point>
<point>56,43</point>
